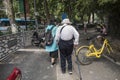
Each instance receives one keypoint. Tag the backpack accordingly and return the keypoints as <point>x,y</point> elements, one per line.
<point>48,37</point>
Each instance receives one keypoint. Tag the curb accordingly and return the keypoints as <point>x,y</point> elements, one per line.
<point>112,60</point>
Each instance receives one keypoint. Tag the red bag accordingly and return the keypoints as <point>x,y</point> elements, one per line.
<point>15,75</point>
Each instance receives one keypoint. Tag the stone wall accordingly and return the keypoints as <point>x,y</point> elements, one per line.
<point>12,42</point>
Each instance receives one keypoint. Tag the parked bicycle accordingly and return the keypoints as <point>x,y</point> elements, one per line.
<point>38,40</point>
<point>86,54</point>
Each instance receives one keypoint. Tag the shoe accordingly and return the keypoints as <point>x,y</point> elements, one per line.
<point>51,66</point>
<point>70,72</point>
<point>53,63</point>
<point>63,71</point>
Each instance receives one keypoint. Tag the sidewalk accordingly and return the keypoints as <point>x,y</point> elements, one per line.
<point>67,76</point>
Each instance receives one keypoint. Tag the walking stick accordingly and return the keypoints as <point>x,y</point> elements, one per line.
<point>80,76</point>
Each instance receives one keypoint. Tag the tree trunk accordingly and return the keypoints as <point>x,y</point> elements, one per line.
<point>114,26</point>
<point>88,18</point>
<point>81,19</point>
<point>10,13</point>
<point>93,17</point>
<point>70,10</point>
<point>47,11</point>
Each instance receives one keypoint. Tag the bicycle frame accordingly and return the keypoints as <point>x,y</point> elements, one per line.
<point>79,49</point>
<point>97,52</point>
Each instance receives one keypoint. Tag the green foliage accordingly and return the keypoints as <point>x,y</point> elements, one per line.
<point>79,10</point>
<point>1,33</point>
<point>74,9</point>
<point>102,2</point>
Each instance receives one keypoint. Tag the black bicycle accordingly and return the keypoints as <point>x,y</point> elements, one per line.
<point>38,40</point>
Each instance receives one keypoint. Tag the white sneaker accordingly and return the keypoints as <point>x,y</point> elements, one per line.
<point>70,72</point>
<point>51,66</point>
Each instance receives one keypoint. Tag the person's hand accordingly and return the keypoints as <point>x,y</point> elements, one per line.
<point>75,45</point>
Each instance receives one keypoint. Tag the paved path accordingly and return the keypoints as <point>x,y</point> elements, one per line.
<point>35,65</point>
<point>33,62</point>
<point>100,69</point>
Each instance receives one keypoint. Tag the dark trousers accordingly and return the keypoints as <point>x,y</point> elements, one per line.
<point>65,55</point>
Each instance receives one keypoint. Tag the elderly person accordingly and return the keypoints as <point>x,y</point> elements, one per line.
<point>67,38</point>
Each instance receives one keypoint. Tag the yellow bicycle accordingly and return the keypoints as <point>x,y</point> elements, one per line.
<point>85,54</point>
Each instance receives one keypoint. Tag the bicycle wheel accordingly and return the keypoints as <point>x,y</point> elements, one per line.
<point>82,58</point>
<point>19,77</point>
